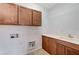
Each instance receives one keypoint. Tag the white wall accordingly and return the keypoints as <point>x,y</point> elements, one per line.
<point>26,34</point>
<point>63,19</point>
<point>18,45</point>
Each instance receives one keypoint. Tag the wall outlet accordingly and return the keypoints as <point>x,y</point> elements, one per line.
<point>31,44</point>
<point>13,35</point>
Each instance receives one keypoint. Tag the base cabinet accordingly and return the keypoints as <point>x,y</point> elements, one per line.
<point>45,44</point>
<point>57,47</point>
<point>52,46</point>
<point>70,51</point>
<point>60,50</point>
<point>49,45</point>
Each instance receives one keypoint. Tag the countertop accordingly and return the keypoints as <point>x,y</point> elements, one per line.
<point>64,38</point>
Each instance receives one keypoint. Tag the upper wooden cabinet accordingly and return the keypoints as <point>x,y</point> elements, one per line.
<point>36,18</point>
<point>8,13</point>
<point>25,16</point>
<point>29,17</point>
<point>15,14</point>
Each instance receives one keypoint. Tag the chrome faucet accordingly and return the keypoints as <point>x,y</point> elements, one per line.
<point>70,35</point>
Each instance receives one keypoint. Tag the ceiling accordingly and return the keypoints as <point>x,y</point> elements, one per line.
<point>47,5</point>
<point>50,5</point>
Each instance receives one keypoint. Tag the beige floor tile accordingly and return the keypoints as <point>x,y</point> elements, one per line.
<point>39,52</point>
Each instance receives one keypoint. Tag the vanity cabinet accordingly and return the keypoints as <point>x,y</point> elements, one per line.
<point>45,43</point>
<point>71,51</point>
<point>49,45</point>
<point>52,46</point>
<point>8,14</point>
<point>59,47</point>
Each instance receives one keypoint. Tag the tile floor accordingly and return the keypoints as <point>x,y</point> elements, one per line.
<point>39,52</point>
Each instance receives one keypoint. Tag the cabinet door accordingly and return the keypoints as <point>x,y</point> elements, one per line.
<point>49,44</point>
<point>45,43</point>
<point>60,50</point>
<point>25,16</point>
<point>71,51</point>
<point>52,46</point>
<point>8,13</point>
<point>36,18</point>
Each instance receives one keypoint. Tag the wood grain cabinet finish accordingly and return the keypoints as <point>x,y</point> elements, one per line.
<point>25,16</point>
<point>52,46</point>
<point>36,18</point>
<point>49,45</point>
<point>58,47</point>
<point>29,17</point>
<point>71,51</point>
<point>12,14</point>
<point>8,13</point>
<point>45,44</point>
<point>60,50</point>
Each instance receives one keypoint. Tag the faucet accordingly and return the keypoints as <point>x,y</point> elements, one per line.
<point>70,35</point>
